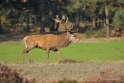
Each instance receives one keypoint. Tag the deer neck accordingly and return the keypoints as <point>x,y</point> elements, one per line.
<point>65,41</point>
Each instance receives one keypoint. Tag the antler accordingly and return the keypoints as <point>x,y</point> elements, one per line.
<point>64,21</point>
<point>71,29</point>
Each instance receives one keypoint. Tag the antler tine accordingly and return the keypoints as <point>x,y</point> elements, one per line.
<point>71,26</point>
<point>73,31</point>
<point>67,20</point>
<point>57,19</point>
<point>64,21</point>
<point>76,30</point>
<point>65,27</point>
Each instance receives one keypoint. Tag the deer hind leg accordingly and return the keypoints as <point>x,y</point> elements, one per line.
<point>57,51</point>
<point>29,44</point>
<point>25,52</point>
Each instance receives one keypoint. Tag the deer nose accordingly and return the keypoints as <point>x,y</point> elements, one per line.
<point>78,40</point>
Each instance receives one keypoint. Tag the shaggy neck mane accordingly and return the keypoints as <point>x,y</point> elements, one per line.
<point>63,40</point>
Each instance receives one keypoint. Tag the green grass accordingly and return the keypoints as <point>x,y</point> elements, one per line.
<point>87,52</point>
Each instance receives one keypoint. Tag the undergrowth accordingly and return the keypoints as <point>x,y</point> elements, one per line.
<point>95,33</point>
<point>8,75</point>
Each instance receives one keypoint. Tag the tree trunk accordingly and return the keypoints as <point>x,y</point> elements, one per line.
<point>77,18</point>
<point>107,22</point>
<point>93,23</point>
<point>42,24</point>
<point>1,29</point>
<point>42,27</point>
<point>98,23</point>
<point>28,19</point>
<point>12,19</point>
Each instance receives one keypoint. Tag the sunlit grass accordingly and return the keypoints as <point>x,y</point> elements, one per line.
<point>84,52</point>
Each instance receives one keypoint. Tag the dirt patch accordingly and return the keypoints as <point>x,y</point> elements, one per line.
<point>68,61</point>
<point>45,73</point>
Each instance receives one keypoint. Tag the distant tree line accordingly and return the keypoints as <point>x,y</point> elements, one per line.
<point>100,13</point>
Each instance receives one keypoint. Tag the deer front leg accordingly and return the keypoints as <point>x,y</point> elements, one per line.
<point>57,51</point>
<point>47,55</point>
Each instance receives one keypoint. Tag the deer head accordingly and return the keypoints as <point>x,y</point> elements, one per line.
<point>71,35</point>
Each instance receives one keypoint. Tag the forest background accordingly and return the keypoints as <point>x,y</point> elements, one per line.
<point>94,18</point>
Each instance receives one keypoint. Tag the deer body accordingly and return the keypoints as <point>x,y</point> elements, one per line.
<point>48,42</point>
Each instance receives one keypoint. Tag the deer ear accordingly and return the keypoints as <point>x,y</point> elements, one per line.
<point>69,32</point>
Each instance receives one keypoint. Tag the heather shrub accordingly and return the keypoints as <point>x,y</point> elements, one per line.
<point>8,75</point>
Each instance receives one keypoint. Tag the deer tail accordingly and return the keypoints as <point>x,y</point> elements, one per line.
<point>25,40</point>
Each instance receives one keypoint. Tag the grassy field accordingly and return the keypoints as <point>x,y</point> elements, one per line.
<point>84,52</point>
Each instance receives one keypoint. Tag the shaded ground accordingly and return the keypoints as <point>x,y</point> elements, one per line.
<point>45,73</point>
<point>10,37</point>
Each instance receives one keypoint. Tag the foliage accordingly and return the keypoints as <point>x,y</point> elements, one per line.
<point>4,20</point>
<point>40,12</point>
<point>88,33</point>
<point>119,19</point>
<point>100,33</point>
<point>120,1</point>
<point>95,33</point>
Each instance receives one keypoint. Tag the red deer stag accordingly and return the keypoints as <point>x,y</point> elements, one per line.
<point>48,42</point>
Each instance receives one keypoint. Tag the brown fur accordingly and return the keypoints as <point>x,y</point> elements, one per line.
<point>47,42</point>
